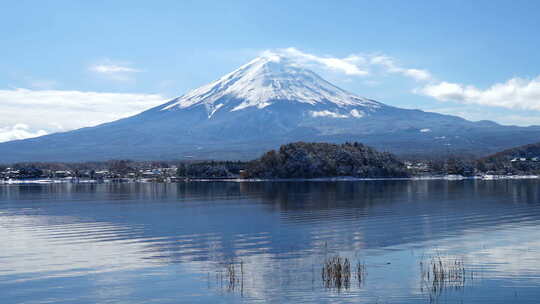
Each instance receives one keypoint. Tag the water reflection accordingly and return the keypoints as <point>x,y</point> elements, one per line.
<point>166,242</point>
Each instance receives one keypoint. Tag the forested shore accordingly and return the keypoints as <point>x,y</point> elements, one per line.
<point>298,160</point>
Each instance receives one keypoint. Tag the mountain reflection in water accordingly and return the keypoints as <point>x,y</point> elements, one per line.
<point>207,242</point>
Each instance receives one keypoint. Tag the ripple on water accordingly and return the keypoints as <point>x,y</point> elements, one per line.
<point>163,243</point>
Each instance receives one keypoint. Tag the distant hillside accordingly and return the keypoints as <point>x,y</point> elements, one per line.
<point>312,160</point>
<point>522,159</point>
<point>527,151</point>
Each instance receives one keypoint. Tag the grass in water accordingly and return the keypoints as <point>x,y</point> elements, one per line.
<point>439,274</point>
<point>336,273</point>
<point>231,277</point>
<point>361,273</point>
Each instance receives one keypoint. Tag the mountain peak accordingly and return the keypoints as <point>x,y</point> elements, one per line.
<point>267,102</point>
<point>264,81</point>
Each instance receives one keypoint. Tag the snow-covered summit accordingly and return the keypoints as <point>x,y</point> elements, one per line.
<point>265,80</point>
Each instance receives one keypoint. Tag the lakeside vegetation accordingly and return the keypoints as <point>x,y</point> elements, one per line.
<point>518,160</point>
<point>312,160</point>
<point>294,160</point>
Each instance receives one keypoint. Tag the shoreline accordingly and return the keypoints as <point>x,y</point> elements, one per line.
<point>240,180</point>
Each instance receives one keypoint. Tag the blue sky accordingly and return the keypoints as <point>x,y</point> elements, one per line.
<point>100,60</point>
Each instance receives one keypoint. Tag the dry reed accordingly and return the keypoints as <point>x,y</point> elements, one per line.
<point>439,274</point>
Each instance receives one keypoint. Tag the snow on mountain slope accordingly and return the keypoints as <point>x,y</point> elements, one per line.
<point>265,103</point>
<point>265,81</point>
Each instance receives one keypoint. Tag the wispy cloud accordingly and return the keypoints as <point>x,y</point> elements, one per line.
<point>478,112</point>
<point>118,71</point>
<point>391,66</point>
<point>348,65</point>
<point>354,64</point>
<point>516,93</point>
<point>111,69</point>
<point>58,110</point>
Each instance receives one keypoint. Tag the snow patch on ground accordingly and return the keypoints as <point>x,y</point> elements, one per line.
<point>356,114</point>
<point>214,110</point>
<point>326,113</point>
<point>247,104</point>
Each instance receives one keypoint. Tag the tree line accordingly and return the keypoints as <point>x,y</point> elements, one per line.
<point>300,160</point>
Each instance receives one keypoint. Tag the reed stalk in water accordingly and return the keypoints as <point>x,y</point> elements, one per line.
<point>442,273</point>
<point>336,273</point>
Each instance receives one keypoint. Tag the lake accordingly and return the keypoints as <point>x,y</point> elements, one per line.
<point>401,241</point>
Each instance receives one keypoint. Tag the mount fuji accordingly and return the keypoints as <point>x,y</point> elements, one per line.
<point>261,105</point>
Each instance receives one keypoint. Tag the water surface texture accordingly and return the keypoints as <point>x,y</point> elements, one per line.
<point>267,242</point>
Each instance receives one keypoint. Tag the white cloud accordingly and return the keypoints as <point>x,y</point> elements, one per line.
<point>112,68</point>
<point>19,131</point>
<point>117,71</point>
<point>420,75</point>
<point>57,110</point>
<point>354,64</point>
<point>348,65</point>
<point>392,67</point>
<point>499,115</point>
<point>516,93</point>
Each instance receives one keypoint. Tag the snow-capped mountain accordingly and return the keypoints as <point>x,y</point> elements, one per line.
<point>261,105</point>
<point>265,81</point>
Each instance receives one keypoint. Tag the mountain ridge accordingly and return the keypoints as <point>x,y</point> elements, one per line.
<point>263,104</point>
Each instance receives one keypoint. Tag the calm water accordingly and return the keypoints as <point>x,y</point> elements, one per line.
<point>180,243</point>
